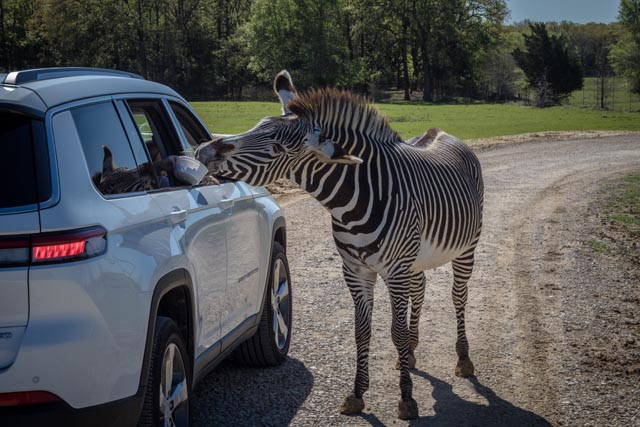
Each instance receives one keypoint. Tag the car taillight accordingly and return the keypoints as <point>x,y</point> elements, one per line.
<point>27,398</point>
<point>69,245</point>
<point>47,248</point>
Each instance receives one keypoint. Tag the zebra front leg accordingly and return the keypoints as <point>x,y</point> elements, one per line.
<point>399,284</point>
<point>462,269</point>
<point>418,284</point>
<point>361,285</point>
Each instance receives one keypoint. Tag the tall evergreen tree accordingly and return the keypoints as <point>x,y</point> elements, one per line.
<point>553,70</point>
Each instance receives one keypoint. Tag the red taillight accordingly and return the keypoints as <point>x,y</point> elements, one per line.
<point>68,245</point>
<point>27,398</point>
<point>45,248</point>
<point>63,250</point>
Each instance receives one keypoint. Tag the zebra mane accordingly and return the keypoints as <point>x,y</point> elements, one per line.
<point>340,109</point>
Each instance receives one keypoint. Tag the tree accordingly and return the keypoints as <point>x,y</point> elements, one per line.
<point>18,48</point>
<point>593,42</point>
<point>553,70</point>
<point>301,35</point>
<point>435,43</point>
<point>625,55</point>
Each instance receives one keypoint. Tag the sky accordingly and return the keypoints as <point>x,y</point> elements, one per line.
<point>579,11</point>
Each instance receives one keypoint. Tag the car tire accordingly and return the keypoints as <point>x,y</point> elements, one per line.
<point>270,344</point>
<point>168,349</point>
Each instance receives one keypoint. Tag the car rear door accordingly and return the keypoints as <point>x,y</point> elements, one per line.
<point>24,173</point>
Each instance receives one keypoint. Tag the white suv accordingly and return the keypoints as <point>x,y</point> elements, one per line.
<point>120,285</point>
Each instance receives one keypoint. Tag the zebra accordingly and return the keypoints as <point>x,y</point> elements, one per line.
<point>397,208</point>
<point>116,180</point>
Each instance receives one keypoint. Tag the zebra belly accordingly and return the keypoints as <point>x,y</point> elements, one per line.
<point>430,256</point>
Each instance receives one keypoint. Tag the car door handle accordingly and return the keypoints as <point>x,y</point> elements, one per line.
<point>178,216</point>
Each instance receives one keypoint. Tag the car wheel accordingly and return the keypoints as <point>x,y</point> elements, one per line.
<point>168,393</point>
<point>270,345</point>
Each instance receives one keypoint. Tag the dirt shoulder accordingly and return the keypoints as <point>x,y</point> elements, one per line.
<point>602,315</point>
<point>481,143</point>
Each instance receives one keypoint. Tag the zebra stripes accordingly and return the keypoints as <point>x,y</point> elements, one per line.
<point>397,208</point>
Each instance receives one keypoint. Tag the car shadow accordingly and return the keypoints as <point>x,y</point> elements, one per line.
<point>235,395</point>
<point>451,410</point>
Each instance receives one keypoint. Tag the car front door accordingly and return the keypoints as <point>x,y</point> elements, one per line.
<point>242,232</point>
<point>197,214</point>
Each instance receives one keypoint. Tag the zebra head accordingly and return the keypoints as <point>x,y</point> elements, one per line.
<point>270,150</point>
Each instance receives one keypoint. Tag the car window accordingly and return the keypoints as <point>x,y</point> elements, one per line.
<point>191,127</point>
<point>106,149</point>
<point>17,171</point>
<point>159,138</point>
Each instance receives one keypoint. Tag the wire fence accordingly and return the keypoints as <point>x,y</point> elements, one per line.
<point>610,93</point>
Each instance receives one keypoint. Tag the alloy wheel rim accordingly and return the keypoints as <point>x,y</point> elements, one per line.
<point>174,393</point>
<point>280,304</point>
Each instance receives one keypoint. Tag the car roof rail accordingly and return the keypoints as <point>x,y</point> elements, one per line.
<point>25,76</point>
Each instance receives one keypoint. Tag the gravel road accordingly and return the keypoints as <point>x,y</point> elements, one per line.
<point>551,327</point>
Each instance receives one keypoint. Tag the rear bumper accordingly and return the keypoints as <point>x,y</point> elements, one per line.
<point>120,413</point>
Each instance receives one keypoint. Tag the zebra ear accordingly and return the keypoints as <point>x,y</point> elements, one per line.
<point>284,88</point>
<point>328,151</point>
<point>108,165</point>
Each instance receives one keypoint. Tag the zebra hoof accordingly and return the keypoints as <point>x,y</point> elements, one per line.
<point>407,409</point>
<point>464,368</point>
<point>352,405</point>
<point>412,362</point>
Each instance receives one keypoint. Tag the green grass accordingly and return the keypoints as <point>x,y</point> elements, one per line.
<point>619,203</point>
<point>624,202</point>
<point>463,121</point>
<point>601,247</point>
<point>617,95</point>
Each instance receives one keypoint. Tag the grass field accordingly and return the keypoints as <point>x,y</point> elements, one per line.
<point>463,121</point>
<point>618,97</point>
<point>619,210</point>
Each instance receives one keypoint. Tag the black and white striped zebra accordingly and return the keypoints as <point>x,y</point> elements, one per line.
<point>118,180</point>
<point>397,208</point>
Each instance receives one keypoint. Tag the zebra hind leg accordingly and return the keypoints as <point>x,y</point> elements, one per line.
<point>418,284</point>
<point>361,285</point>
<point>399,284</point>
<point>462,269</point>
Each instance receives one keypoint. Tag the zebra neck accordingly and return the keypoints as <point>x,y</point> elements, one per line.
<point>339,188</point>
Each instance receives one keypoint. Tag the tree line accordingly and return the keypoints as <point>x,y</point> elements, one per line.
<point>434,50</point>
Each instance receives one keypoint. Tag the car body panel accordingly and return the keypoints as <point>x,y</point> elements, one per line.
<point>243,266</point>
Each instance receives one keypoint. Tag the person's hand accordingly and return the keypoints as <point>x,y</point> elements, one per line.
<point>210,179</point>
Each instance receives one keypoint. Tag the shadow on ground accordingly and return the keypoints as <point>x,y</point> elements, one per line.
<point>451,410</point>
<point>238,395</point>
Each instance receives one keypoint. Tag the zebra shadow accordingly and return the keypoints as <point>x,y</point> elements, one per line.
<point>453,411</point>
<point>235,395</point>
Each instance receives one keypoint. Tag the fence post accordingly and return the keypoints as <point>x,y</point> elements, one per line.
<point>613,97</point>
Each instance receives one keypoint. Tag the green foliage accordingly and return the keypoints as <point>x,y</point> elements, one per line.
<point>550,65</point>
<point>625,54</point>
<point>629,15</point>
<point>18,45</point>
<point>304,35</point>
<point>225,49</point>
